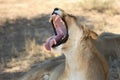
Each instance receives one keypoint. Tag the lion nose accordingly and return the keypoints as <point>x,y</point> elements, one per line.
<point>56,9</point>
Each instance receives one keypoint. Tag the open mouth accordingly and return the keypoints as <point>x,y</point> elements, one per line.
<point>60,30</point>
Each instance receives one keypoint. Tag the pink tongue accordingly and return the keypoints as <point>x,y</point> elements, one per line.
<point>49,43</point>
<point>54,39</point>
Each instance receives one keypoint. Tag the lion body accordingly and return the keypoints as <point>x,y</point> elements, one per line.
<point>83,56</point>
<point>82,60</point>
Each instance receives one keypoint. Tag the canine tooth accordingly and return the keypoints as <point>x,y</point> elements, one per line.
<point>56,18</point>
<point>55,42</point>
<point>61,21</point>
<point>50,19</point>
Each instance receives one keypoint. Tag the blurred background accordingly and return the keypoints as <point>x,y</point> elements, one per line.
<point>24,28</point>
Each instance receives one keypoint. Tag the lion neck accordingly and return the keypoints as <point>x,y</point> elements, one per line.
<point>74,54</point>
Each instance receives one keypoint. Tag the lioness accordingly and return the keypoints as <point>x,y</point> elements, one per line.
<point>82,60</point>
<point>106,43</point>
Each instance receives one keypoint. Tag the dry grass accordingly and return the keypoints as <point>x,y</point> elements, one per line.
<point>109,6</point>
<point>32,54</point>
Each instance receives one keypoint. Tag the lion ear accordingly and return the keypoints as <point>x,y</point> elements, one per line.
<point>93,34</point>
<point>89,32</point>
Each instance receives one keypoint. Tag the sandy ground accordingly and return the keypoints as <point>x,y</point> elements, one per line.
<point>24,27</point>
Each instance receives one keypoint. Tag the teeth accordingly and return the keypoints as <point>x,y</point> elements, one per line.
<point>56,18</point>
<point>61,21</point>
<point>50,19</point>
<point>55,42</point>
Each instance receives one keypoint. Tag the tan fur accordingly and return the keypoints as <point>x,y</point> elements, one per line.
<point>106,43</point>
<point>83,61</point>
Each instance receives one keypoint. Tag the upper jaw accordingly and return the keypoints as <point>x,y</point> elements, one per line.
<point>55,12</point>
<point>58,12</point>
